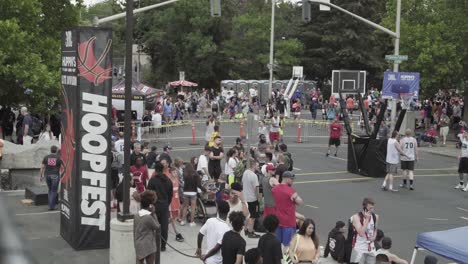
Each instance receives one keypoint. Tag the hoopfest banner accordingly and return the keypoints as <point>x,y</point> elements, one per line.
<point>86,126</point>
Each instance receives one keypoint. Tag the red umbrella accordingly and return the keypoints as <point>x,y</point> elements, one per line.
<point>183,83</point>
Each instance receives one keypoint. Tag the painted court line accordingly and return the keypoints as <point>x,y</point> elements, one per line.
<point>463,209</point>
<point>296,168</point>
<point>39,213</point>
<point>319,173</point>
<point>464,218</point>
<point>437,219</point>
<point>311,206</point>
<point>369,178</point>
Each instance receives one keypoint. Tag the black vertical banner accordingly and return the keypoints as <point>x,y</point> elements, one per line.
<point>86,138</point>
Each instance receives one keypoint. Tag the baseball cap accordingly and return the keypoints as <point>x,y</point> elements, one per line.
<point>288,174</point>
<point>167,148</point>
<point>270,167</point>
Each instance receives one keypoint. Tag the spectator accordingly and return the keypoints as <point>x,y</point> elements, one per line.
<point>163,188</point>
<point>350,105</point>
<point>27,123</point>
<point>430,136</point>
<point>384,131</point>
<point>305,245</point>
<point>286,199</point>
<point>364,232</point>
<point>151,157</point>
<point>137,154</point>
<point>166,155</point>
<point>119,144</point>
<point>175,202</point>
<point>313,108</point>
<point>116,167</point>
<point>268,182</point>
<point>216,155</point>
<point>444,126</point>
<point>252,256</point>
<point>274,129</point>
<point>386,245</point>
<point>168,110</point>
<point>192,181</point>
<point>263,130</point>
<point>214,230</point>
<point>139,174</point>
<point>231,164</point>
<point>430,260</point>
<point>236,200</point>
<point>232,245</point>
<point>145,224</point>
<point>50,170</point>
<point>46,135</point>
<point>336,243</point>
<point>382,259</point>
<point>378,239</point>
<point>269,245</point>
<point>335,135</point>
<point>288,161</point>
<point>202,165</point>
<point>251,194</point>
<point>280,168</point>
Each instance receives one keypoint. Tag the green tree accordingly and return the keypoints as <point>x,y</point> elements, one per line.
<point>434,36</point>
<point>249,46</point>
<point>30,51</point>
<point>334,41</point>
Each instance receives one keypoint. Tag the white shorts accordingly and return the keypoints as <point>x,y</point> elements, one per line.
<point>444,131</point>
<point>362,257</point>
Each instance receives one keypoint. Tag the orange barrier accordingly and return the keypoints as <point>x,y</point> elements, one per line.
<point>194,138</point>
<point>299,130</point>
<point>242,132</point>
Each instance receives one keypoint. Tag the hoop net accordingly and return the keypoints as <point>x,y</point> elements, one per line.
<point>406,99</point>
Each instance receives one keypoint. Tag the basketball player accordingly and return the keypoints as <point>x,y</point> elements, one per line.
<point>410,149</point>
<point>393,158</point>
<point>463,165</point>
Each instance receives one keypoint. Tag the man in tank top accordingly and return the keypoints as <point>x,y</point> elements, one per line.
<point>393,158</point>
<point>410,149</point>
<point>268,182</point>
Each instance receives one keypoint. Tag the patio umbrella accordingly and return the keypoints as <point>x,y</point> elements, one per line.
<point>183,83</point>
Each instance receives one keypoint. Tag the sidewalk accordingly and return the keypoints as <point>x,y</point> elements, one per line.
<point>448,150</point>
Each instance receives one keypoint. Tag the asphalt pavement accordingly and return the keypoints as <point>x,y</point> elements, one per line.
<point>330,194</point>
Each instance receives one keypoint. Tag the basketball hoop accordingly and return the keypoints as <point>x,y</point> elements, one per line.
<point>406,99</point>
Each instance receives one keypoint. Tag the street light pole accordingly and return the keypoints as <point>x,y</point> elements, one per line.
<point>272,40</point>
<point>128,112</point>
<point>396,63</point>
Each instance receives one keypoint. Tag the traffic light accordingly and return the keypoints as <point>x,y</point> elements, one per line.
<point>306,11</point>
<point>215,8</point>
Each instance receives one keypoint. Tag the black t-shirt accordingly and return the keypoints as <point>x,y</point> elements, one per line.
<point>232,245</point>
<point>134,156</point>
<point>215,163</point>
<point>270,248</point>
<point>165,156</point>
<point>281,105</point>
<point>162,185</point>
<point>52,163</point>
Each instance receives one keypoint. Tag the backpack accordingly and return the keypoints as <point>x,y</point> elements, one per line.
<point>239,170</point>
<point>352,235</point>
<point>36,126</point>
<point>288,161</point>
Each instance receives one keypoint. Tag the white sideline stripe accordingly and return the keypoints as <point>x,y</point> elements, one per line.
<point>464,218</point>
<point>437,219</point>
<point>463,209</point>
<point>12,191</point>
<point>311,206</point>
<point>296,168</point>
<point>39,213</point>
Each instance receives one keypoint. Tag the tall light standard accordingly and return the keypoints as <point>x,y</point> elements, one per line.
<point>272,44</point>
<point>395,34</point>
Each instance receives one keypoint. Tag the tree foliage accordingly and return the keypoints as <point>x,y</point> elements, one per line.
<point>30,33</point>
<point>434,34</point>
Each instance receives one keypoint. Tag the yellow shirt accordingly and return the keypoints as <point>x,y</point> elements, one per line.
<point>211,143</point>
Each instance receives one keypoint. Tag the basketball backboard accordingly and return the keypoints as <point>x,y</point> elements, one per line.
<point>348,82</point>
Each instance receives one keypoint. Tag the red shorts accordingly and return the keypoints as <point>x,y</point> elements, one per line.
<point>274,136</point>
<point>268,211</point>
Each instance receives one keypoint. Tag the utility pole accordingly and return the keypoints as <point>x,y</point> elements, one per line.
<point>396,63</point>
<point>272,40</point>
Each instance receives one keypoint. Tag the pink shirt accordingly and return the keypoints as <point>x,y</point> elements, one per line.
<point>285,206</point>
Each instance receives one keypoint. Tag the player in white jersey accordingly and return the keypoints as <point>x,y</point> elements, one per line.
<point>463,165</point>
<point>409,147</point>
<point>393,158</point>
